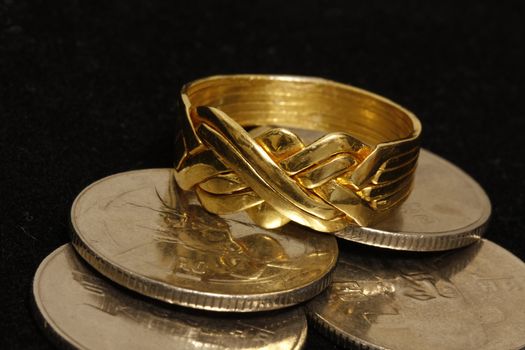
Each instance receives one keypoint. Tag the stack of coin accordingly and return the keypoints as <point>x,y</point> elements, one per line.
<point>222,252</point>
<point>138,230</point>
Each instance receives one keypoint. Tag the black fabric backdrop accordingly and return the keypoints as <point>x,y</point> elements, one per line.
<point>87,89</point>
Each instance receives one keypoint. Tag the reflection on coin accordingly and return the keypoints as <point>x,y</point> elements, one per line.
<point>471,298</point>
<point>137,229</point>
<point>80,309</point>
<point>447,209</point>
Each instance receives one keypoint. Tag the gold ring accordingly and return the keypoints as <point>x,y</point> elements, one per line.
<point>229,152</point>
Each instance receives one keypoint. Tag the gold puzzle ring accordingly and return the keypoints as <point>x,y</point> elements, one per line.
<point>235,148</point>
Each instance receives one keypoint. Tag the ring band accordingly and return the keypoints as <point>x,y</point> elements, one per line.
<point>228,152</point>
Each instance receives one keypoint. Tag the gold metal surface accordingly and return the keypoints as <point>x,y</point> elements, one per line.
<point>229,153</point>
<point>446,209</point>
<point>79,309</point>
<point>471,298</point>
<point>136,229</point>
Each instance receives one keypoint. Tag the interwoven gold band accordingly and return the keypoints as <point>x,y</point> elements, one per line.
<point>234,149</point>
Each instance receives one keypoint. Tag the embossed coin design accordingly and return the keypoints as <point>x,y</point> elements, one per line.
<point>471,298</point>
<point>138,230</point>
<point>446,209</point>
<point>80,309</point>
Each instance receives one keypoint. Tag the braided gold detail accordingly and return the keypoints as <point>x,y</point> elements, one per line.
<point>275,177</point>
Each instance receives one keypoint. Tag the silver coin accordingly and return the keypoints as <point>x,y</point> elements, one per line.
<point>446,209</point>
<point>137,229</point>
<point>470,298</point>
<point>80,309</point>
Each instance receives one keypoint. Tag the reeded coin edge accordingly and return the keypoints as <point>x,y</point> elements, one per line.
<point>52,331</point>
<point>192,298</point>
<point>338,336</point>
<point>422,242</point>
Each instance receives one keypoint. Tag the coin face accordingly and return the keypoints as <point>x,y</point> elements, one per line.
<point>446,209</point>
<point>82,310</point>
<point>138,230</point>
<point>470,298</point>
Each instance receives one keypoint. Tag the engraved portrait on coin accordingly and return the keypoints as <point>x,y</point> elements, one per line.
<point>463,299</point>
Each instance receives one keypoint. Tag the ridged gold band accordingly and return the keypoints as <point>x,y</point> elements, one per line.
<point>234,151</point>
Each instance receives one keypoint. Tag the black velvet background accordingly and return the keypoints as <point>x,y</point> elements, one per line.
<point>86,90</point>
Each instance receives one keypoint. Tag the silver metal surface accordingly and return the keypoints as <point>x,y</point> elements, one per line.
<point>80,309</point>
<point>466,299</point>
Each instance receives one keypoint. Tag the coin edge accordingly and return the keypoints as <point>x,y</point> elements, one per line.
<point>46,324</point>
